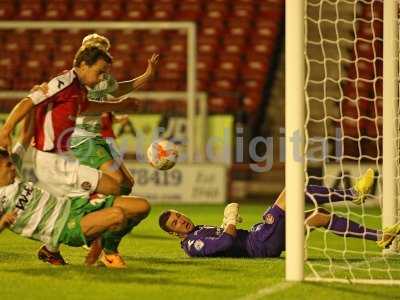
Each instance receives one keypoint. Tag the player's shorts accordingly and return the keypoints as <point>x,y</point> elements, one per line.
<point>267,239</point>
<point>63,175</point>
<point>94,152</point>
<point>72,234</point>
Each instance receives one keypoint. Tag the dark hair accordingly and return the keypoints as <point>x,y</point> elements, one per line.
<point>4,153</point>
<point>90,55</point>
<point>162,220</point>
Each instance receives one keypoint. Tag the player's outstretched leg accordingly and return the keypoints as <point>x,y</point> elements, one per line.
<point>50,253</point>
<point>94,224</point>
<point>320,194</point>
<point>95,251</point>
<point>340,226</point>
<point>357,194</point>
<point>135,209</point>
<point>388,235</point>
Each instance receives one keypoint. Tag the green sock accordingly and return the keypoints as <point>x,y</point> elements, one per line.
<point>112,239</point>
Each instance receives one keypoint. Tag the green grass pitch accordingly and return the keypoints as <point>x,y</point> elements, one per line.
<point>158,268</point>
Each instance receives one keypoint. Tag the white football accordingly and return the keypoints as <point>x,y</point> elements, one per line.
<point>162,154</point>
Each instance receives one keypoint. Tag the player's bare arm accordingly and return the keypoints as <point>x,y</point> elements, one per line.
<point>6,220</point>
<point>16,115</point>
<point>125,87</point>
<point>128,105</point>
<point>27,131</point>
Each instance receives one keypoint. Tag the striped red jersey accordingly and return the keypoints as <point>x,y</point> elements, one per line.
<point>57,110</point>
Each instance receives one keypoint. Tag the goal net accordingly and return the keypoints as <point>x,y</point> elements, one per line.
<point>344,133</point>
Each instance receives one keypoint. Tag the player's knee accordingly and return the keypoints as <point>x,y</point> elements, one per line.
<point>144,207</point>
<point>134,207</point>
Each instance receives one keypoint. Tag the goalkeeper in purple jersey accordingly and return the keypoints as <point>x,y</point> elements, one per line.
<point>267,238</point>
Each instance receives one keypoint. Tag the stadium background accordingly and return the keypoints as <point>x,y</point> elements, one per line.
<point>239,66</point>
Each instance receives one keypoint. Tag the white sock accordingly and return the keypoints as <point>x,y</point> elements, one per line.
<point>52,248</point>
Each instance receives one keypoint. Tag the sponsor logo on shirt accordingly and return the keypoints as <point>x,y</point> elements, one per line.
<point>198,245</point>
<point>60,83</point>
<point>24,197</point>
<point>269,219</point>
<point>86,186</point>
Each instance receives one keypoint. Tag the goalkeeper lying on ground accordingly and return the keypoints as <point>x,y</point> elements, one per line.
<point>32,212</point>
<point>267,239</point>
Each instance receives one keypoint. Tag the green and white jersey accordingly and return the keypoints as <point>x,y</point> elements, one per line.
<point>40,216</point>
<point>88,125</point>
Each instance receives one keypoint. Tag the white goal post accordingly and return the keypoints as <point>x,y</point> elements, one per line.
<point>294,123</point>
<point>190,95</point>
<point>390,110</point>
<point>297,72</point>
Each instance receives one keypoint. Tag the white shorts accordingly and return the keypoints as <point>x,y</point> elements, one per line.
<point>62,175</point>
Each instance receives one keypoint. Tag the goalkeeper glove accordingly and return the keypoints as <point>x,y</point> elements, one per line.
<point>231,215</point>
<point>388,235</point>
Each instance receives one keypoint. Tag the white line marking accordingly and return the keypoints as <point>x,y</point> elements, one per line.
<point>286,285</point>
<point>269,290</point>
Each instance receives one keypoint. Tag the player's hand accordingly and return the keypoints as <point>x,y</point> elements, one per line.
<point>8,219</point>
<point>225,221</point>
<point>231,209</point>
<point>44,88</point>
<point>231,215</point>
<point>152,64</point>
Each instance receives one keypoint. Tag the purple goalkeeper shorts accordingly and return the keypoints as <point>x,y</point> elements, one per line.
<point>267,239</point>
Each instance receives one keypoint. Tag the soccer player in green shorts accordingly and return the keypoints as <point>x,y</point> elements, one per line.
<point>87,143</point>
<point>32,212</point>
